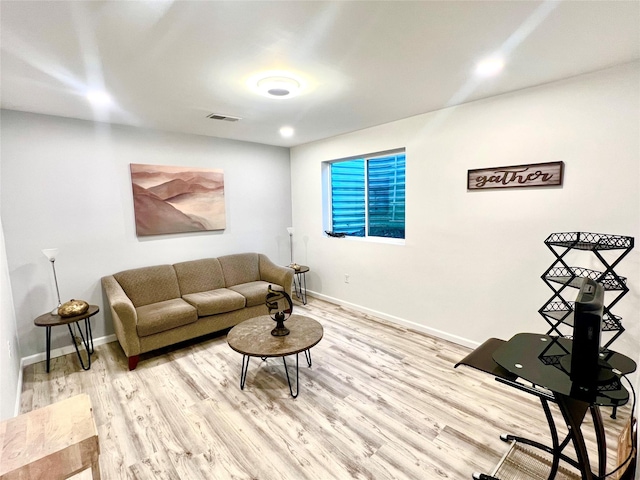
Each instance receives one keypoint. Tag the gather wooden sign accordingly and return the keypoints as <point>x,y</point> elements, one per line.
<point>531,175</point>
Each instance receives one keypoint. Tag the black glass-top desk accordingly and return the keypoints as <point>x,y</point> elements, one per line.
<point>544,362</point>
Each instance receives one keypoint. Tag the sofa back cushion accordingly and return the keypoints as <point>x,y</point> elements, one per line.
<point>149,285</point>
<point>199,275</point>
<point>240,268</point>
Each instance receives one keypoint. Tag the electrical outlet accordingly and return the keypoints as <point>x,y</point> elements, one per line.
<point>346,278</point>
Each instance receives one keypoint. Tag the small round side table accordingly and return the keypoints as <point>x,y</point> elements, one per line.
<point>300,282</point>
<point>49,320</point>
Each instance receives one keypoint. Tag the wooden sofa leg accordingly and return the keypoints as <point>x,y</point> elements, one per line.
<point>133,362</point>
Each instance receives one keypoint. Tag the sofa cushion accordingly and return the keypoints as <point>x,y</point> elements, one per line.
<point>221,300</point>
<point>149,285</point>
<point>254,292</point>
<point>199,275</point>
<point>240,268</point>
<point>162,316</point>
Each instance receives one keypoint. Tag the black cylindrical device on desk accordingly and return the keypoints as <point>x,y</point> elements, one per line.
<point>587,328</point>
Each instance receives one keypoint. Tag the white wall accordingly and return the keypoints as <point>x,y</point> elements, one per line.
<point>66,184</point>
<point>9,347</point>
<point>471,265</point>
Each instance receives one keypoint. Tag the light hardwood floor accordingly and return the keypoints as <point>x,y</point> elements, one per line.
<point>379,402</point>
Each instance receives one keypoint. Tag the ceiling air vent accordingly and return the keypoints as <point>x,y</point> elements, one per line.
<point>226,118</point>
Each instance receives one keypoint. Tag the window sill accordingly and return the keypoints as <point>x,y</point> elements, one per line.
<point>384,240</point>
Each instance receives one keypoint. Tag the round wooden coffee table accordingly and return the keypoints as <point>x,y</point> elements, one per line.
<point>252,338</point>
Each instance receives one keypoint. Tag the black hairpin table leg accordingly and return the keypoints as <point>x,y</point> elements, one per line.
<point>307,355</point>
<point>243,372</point>
<point>87,342</point>
<point>289,379</point>
<point>48,347</point>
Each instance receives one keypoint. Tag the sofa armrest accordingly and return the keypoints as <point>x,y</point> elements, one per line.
<point>270,272</point>
<point>123,313</point>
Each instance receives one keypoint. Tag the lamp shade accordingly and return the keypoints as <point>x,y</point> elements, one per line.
<point>51,253</point>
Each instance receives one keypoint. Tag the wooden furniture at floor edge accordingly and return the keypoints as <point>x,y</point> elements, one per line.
<point>52,442</point>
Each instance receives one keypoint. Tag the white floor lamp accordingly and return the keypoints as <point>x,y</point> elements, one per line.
<point>290,230</point>
<point>51,254</point>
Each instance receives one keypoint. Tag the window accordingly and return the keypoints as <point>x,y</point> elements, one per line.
<point>368,196</point>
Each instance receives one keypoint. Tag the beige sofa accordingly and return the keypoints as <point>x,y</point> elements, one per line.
<point>153,307</point>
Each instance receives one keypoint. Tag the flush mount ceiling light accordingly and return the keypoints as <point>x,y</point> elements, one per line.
<point>490,66</point>
<point>276,84</point>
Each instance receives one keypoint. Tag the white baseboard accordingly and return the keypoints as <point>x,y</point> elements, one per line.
<point>58,352</point>
<point>16,408</point>
<point>400,321</point>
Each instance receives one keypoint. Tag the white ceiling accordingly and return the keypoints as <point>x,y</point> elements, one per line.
<point>168,64</point>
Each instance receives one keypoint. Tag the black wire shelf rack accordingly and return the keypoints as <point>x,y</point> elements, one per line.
<point>563,279</point>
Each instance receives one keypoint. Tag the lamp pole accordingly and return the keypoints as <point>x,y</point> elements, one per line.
<point>55,278</point>
<point>290,230</point>
<point>51,254</point>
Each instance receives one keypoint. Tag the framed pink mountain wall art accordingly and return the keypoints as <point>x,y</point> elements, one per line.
<point>177,199</point>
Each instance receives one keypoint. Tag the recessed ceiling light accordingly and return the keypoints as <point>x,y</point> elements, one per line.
<point>99,98</point>
<point>287,132</point>
<point>276,84</point>
<point>490,66</point>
